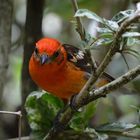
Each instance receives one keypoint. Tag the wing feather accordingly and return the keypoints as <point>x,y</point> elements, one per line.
<point>80,59</point>
<point>77,57</point>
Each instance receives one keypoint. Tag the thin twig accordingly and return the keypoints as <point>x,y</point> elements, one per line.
<point>82,34</point>
<point>80,28</point>
<point>118,134</point>
<point>123,56</point>
<point>19,125</point>
<point>10,112</point>
<point>18,113</point>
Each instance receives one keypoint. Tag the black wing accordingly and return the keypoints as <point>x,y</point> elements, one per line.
<point>77,57</point>
<point>80,59</point>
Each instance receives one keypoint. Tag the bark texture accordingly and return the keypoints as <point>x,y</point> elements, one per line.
<point>6,8</point>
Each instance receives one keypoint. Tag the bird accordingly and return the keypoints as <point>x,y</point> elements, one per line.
<point>61,69</point>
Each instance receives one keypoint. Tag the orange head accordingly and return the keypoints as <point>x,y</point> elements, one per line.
<point>51,71</point>
<point>49,52</point>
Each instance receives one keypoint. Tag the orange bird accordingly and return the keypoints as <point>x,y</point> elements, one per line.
<point>60,69</point>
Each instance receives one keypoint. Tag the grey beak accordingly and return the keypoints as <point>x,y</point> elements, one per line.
<point>43,59</point>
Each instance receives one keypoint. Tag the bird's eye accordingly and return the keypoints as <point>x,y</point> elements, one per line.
<point>36,50</point>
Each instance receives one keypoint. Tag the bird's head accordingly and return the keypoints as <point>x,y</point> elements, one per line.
<point>49,51</point>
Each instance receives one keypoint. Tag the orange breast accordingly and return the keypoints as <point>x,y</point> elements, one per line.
<point>63,83</point>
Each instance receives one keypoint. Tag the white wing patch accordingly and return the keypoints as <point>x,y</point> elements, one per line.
<point>78,58</point>
<point>80,55</point>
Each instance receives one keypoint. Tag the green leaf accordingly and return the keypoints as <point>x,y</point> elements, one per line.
<point>122,15</point>
<point>138,110</point>
<point>92,133</point>
<point>81,119</point>
<point>133,42</point>
<point>102,42</point>
<point>41,109</point>
<point>112,25</point>
<point>103,30</point>
<point>117,127</point>
<point>135,107</point>
<point>131,34</point>
<point>88,14</point>
<point>132,52</point>
<point>106,35</point>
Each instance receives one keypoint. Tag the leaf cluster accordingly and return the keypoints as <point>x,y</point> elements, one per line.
<point>108,28</point>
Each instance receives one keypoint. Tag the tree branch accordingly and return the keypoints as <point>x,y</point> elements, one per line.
<point>111,52</point>
<point>118,134</point>
<point>119,82</point>
<point>84,97</point>
<point>94,95</point>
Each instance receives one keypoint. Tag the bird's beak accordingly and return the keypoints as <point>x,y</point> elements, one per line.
<point>44,59</point>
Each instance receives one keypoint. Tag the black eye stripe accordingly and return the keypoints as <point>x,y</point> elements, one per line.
<point>56,54</point>
<point>36,50</point>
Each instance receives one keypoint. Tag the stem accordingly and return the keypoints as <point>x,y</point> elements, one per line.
<point>80,28</point>
<point>18,113</point>
<point>118,134</point>
<point>19,125</point>
<point>10,112</point>
<point>82,34</point>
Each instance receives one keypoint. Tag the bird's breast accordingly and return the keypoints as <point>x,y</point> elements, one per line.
<point>63,83</point>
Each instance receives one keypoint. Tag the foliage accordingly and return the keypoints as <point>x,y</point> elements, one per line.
<point>108,28</point>
<point>42,109</point>
<point>81,119</point>
<point>117,127</point>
